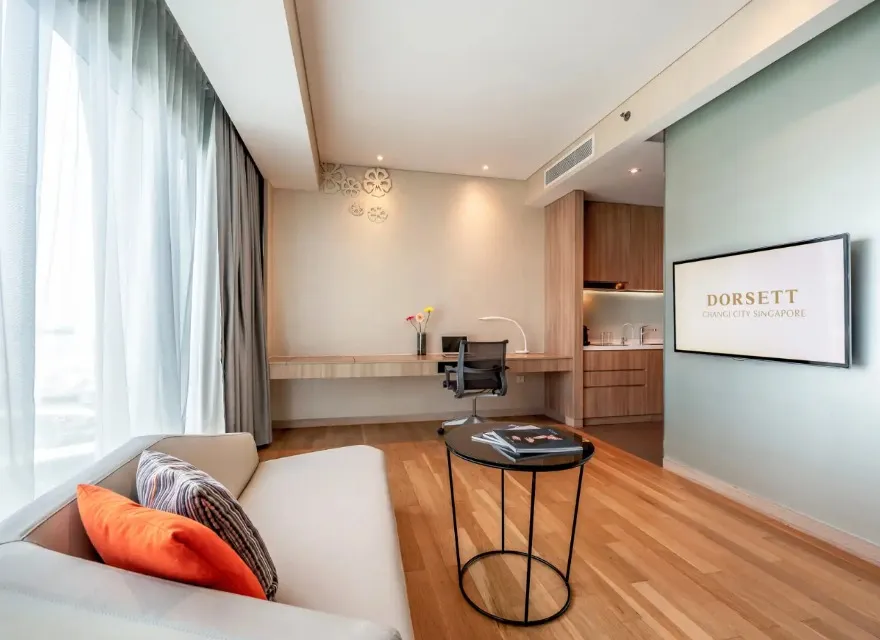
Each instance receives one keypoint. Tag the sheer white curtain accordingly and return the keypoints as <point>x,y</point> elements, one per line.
<point>109,283</point>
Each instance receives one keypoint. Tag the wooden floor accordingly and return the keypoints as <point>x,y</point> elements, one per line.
<point>655,556</point>
<point>644,439</point>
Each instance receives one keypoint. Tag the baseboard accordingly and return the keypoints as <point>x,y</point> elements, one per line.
<point>412,417</point>
<point>848,542</point>
<point>595,422</point>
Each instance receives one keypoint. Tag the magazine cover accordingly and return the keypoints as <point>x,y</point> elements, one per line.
<point>536,440</point>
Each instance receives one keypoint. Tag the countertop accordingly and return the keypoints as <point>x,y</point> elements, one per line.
<point>391,365</point>
<point>622,347</point>
<point>404,358</point>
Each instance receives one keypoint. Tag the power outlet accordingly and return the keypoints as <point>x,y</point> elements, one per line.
<point>520,379</point>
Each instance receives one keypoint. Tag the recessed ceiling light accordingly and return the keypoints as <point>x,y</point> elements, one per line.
<point>379,158</point>
<point>485,167</point>
<point>634,170</point>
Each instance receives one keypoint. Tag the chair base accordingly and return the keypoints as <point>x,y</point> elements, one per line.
<point>458,422</point>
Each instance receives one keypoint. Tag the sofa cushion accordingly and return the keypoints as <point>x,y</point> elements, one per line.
<point>164,545</point>
<point>46,595</point>
<point>169,484</point>
<point>329,524</point>
<point>52,520</point>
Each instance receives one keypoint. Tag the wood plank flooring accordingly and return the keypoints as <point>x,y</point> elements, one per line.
<point>655,555</point>
<point>642,439</point>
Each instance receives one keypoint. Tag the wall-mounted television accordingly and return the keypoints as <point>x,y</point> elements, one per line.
<point>789,302</point>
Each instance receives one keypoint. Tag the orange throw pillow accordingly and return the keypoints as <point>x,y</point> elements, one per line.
<point>165,545</point>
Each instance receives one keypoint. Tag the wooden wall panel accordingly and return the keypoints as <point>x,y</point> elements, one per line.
<point>563,304</point>
<point>655,382</point>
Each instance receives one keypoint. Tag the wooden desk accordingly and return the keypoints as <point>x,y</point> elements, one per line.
<point>396,366</point>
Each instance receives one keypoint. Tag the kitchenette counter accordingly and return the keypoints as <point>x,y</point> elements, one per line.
<point>622,347</point>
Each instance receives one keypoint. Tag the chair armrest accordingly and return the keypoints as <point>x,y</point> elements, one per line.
<point>45,594</point>
<point>230,458</point>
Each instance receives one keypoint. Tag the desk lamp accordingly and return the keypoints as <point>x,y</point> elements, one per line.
<point>525,348</point>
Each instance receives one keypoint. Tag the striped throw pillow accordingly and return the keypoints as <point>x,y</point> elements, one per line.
<point>174,486</point>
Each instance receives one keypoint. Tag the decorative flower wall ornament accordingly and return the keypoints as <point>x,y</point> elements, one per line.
<point>332,177</point>
<point>377,182</point>
<point>377,215</point>
<point>350,187</point>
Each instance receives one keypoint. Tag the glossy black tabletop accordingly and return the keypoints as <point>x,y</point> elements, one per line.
<point>459,443</point>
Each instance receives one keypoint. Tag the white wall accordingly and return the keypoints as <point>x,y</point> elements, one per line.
<point>790,154</point>
<point>343,285</point>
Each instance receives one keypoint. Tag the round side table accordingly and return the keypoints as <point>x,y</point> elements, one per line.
<point>459,444</point>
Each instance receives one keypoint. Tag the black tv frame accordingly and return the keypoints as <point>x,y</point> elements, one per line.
<point>846,293</point>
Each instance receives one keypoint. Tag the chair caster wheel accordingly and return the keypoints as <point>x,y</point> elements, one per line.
<point>441,431</point>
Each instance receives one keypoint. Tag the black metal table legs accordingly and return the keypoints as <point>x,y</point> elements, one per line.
<point>529,555</point>
<point>454,517</point>
<point>502,509</point>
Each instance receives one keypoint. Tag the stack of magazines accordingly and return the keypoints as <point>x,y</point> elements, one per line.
<point>521,442</point>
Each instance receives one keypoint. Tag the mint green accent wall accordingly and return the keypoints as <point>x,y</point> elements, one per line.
<point>790,154</point>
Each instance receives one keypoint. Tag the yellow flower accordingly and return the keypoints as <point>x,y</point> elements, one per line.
<point>429,309</point>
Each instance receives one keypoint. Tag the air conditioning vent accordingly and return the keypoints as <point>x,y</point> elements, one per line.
<point>566,165</point>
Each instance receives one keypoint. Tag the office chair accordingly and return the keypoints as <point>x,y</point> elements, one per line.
<point>481,371</point>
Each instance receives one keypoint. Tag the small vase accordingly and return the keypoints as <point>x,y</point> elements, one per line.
<point>421,344</point>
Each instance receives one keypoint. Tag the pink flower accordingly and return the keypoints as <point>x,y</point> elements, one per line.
<point>410,318</point>
<point>420,317</point>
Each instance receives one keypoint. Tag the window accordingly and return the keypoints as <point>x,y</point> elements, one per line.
<point>109,276</point>
<point>64,371</point>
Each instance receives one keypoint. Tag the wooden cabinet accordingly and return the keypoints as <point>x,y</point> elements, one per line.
<point>638,377</point>
<point>616,360</point>
<point>623,384</point>
<point>624,243</point>
<point>654,383</point>
<point>615,402</point>
<point>606,242</point>
<point>646,250</point>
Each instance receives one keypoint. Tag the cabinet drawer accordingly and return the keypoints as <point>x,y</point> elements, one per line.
<point>612,402</point>
<point>632,378</point>
<point>615,360</point>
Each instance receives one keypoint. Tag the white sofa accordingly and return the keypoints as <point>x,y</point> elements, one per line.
<point>326,518</point>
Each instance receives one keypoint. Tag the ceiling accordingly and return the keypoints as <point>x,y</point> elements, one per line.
<point>248,51</point>
<point>449,87</point>
<point>611,180</point>
<point>511,84</point>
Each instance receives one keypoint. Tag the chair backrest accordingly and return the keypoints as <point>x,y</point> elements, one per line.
<point>482,367</point>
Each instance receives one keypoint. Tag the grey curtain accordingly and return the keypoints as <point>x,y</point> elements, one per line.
<point>241,228</point>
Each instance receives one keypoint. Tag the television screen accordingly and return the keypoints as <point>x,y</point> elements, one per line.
<point>789,302</point>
